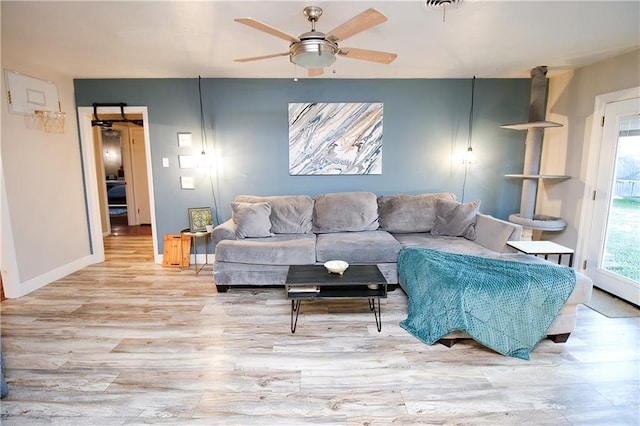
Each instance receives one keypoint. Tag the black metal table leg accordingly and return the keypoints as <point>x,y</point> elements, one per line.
<point>295,307</point>
<point>377,314</point>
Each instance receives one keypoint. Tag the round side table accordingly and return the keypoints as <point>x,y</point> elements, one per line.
<point>194,235</point>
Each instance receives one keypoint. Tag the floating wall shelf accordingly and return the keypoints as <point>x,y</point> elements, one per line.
<point>521,176</point>
<point>528,126</point>
<point>531,125</point>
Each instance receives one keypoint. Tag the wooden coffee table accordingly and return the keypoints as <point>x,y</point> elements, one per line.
<point>311,282</point>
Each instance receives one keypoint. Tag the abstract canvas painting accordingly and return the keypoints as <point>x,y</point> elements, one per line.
<point>335,138</point>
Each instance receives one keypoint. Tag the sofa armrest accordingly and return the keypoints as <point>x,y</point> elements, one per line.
<point>493,233</point>
<point>224,231</point>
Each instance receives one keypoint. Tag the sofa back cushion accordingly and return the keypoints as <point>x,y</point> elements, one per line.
<point>405,214</point>
<point>345,211</point>
<point>290,214</point>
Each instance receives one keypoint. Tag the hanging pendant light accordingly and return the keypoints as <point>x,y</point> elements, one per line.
<point>469,156</point>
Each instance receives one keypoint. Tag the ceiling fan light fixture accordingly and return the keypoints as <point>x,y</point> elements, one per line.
<point>313,53</point>
<point>315,50</point>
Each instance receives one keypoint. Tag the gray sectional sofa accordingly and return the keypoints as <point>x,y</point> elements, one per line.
<point>267,234</point>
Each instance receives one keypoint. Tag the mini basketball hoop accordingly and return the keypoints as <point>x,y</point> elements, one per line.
<point>48,121</point>
<point>52,121</point>
<point>32,121</point>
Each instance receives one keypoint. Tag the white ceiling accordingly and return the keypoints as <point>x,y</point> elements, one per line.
<point>189,38</point>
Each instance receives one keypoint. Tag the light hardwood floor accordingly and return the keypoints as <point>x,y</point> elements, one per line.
<point>130,342</point>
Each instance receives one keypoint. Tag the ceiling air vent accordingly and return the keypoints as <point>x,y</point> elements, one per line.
<point>436,4</point>
<point>442,4</point>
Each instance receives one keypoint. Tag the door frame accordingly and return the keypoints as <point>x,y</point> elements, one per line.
<point>591,177</point>
<point>125,151</point>
<point>85,115</point>
<point>102,182</point>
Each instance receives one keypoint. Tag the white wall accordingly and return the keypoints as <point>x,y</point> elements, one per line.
<point>566,150</point>
<point>44,233</point>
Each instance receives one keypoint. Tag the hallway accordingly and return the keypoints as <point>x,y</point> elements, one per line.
<point>119,227</point>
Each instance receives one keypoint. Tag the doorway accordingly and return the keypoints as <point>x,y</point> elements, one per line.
<point>116,181</point>
<point>95,175</point>
<point>614,247</point>
<point>123,155</point>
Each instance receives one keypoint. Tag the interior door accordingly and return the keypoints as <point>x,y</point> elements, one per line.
<point>140,181</point>
<point>614,250</point>
<point>101,180</point>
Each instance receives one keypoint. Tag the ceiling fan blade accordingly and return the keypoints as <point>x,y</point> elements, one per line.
<point>260,26</point>
<point>367,19</point>
<point>367,55</point>
<point>257,58</point>
<point>315,72</point>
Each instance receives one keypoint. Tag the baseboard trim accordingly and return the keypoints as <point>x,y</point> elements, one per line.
<point>26,287</point>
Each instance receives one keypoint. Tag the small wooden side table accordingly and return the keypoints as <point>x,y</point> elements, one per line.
<point>194,235</point>
<point>545,248</point>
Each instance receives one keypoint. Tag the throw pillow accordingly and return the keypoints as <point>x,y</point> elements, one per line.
<point>251,219</point>
<point>455,219</point>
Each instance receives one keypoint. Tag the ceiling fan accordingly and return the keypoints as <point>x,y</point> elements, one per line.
<point>315,50</point>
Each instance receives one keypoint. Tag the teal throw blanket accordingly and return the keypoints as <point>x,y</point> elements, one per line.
<point>507,306</point>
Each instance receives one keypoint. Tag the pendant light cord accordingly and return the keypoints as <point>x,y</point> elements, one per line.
<point>203,138</point>
<point>473,90</point>
<point>212,181</point>
<point>469,137</point>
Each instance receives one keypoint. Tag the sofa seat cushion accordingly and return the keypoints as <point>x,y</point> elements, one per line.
<point>281,249</point>
<point>449,244</point>
<point>290,214</point>
<point>358,247</point>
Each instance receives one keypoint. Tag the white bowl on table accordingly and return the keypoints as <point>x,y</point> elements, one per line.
<point>336,266</point>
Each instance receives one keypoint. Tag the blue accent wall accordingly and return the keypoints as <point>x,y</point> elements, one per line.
<point>425,126</point>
